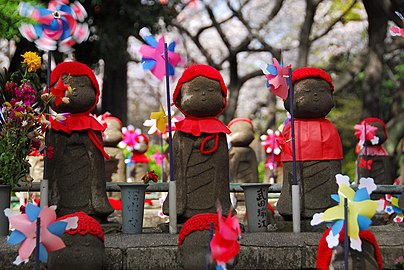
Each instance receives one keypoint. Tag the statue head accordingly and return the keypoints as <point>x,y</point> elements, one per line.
<point>313,93</point>
<point>200,92</point>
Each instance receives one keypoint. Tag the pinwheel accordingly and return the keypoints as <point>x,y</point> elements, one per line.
<point>132,139</point>
<point>276,76</point>
<point>25,231</point>
<point>370,131</point>
<point>360,211</point>
<point>367,164</point>
<point>161,119</point>
<point>395,30</point>
<point>59,92</point>
<point>158,157</point>
<point>153,55</point>
<point>392,207</point>
<point>224,245</point>
<point>57,25</point>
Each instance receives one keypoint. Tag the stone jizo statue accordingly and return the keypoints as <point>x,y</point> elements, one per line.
<point>76,170</point>
<point>318,145</point>
<point>200,153</point>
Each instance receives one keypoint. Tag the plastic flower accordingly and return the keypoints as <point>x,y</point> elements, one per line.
<point>32,60</point>
<point>276,78</point>
<point>59,91</point>
<point>25,231</point>
<point>150,176</point>
<point>392,208</point>
<point>360,211</point>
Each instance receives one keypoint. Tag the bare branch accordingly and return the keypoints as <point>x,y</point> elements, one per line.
<point>334,22</point>
<point>217,25</point>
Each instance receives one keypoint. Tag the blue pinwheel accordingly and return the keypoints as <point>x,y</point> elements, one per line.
<point>26,231</point>
<point>57,25</point>
<point>153,55</point>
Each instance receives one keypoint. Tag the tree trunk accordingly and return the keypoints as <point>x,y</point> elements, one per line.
<point>304,38</point>
<point>377,17</point>
<point>234,90</point>
<point>114,90</point>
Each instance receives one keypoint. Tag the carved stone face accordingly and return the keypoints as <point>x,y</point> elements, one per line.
<point>81,252</point>
<point>242,134</point>
<point>201,97</point>
<point>82,97</point>
<point>113,132</point>
<point>312,98</point>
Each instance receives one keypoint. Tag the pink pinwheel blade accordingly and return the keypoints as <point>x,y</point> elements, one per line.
<point>23,224</point>
<point>26,248</point>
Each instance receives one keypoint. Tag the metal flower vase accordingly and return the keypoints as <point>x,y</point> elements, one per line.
<point>5,198</point>
<point>256,200</point>
<point>133,195</point>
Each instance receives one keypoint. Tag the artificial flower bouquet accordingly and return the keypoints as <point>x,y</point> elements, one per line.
<point>20,112</point>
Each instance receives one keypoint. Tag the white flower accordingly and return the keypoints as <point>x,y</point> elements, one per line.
<point>375,140</point>
<point>317,219</point>
<point>367,183</point>
<point>342,179</point>
<point>332,240</point>
<point>24,123</point>
<point>356,243</point>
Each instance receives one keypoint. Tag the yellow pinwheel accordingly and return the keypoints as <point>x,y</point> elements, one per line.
<point>161,119</point>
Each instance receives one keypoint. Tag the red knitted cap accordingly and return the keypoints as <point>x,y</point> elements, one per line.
<point>235,120</point>
<point>76,69</point>
<point>85,225</point>
<point>199,222</point>
<point>200,70</point>
<point>374,119</point>
<point>324,253</point>
<point>307,72</point>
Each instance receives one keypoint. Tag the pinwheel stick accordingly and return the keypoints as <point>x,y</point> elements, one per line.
<point>295,186</point>
<point>209,251</point>
<point>346,240</point>
<point>272,178</point>
<point>38,232</point>
<point>366,154</point>
<point>172,204</point>
<point>44,182</point>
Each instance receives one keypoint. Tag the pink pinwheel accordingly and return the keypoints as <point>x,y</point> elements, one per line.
<point>153,55</point>
<point>224,245</point>
<point>271,142</point>
<point>56,25</point>
<point>276,76</point>
<point>25,231</point>
<point>370,134</point>
<point>158,157</point>
<point>395,30</point>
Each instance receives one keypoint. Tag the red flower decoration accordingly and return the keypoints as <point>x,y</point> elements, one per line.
<point>367,164</point>
<point>150,176</point>
<point>59,91</point>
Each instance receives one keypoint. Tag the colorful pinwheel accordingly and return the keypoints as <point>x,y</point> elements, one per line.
<point>271,142</point>
<point>395,30</point>
<point>158,157</point>
<point>392,207</point>
<point>224,245</point>
<point>276,76</point>
<point>360,211</point>
<point>57,25</point>
<point>153,55</point>
<point>25,231</point>
<point>161,119</point>
<point>370,134</point>
<point>131,138</point>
